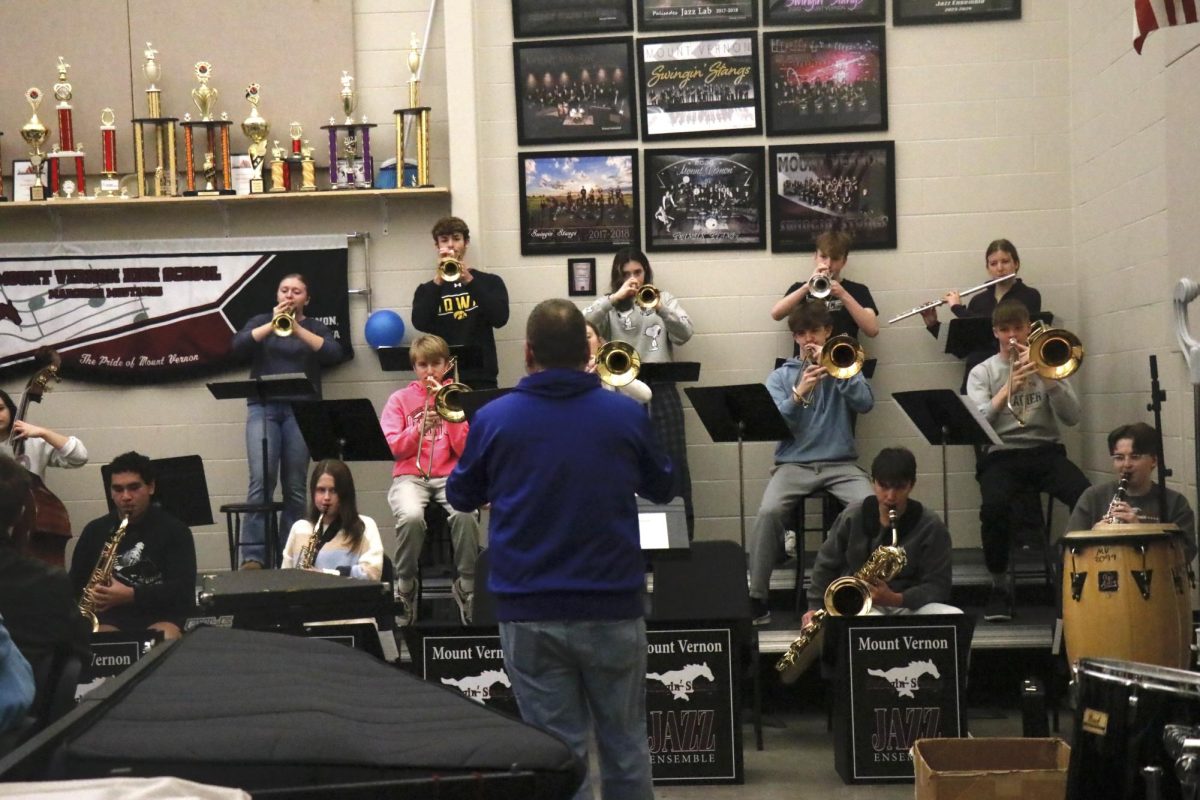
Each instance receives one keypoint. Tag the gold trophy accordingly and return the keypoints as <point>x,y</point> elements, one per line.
<point>308,169</point>
<point>204,96</point>
<point>152,72</point>
<point>256,129</point>
<point>279,177</point>
<point>415,113</point>
<point>215,152</point>
<point>349,98</point>
<point>164,172</point>
<point>34,133</point>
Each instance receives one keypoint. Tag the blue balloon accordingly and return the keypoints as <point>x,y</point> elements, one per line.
<point>384,329</point>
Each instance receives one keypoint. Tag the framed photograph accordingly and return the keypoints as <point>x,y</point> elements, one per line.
<point>581,277</point>
<point>685,15</point>
<point>574,92</point>
<point>705,198</point>
<point>848,186</point>
<point>832,80</point>
<point>699,86</point>
<point>559,17</point>
<point>578,201</point>
<point>822,12</point>
<point>932,12</point>
<point>241,170</point>
<point>23,180</point>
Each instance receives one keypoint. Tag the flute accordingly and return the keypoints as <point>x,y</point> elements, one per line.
<point>936,303</point>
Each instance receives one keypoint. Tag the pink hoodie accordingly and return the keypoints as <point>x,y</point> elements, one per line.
<point>401,423</point>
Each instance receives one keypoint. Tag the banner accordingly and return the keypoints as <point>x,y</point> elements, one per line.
<point>132,312</point>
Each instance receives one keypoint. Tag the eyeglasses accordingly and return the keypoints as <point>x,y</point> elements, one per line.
<point>1127,456</point>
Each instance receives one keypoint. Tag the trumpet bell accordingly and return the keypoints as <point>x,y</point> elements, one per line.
<point>617,363</point>
<point>450,269</point>
<point>1055,353</point>
<point>448,402</point>
<point>819,286</point>
<point>646,297</point>
<point>842,357</point>
<point>282,324</point>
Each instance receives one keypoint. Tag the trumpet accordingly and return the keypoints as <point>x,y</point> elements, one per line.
<point>849,596</point>
<point>450,269</point>
<point>820,285</point>
<point>936,303</point>
<point>618,363</point>
<point>1055,353</point>
<point>646,297</point>
<point>283,323</point>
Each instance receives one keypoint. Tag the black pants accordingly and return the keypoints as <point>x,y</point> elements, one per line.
<point>1004,474</point>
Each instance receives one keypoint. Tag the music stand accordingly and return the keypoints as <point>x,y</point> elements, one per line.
<point>743,413</point>
<point>473,401</point>
<point>396,359</point>
<point>945,417</point>
<point>179,489</point>
<point>974,334</point>
<point>265,388</point>
<point>670,372</point>
<point>347,430</point>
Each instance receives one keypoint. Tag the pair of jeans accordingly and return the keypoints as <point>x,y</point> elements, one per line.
<point>571,674</point>
<point>287,458</point>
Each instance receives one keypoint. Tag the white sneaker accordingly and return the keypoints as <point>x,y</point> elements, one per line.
<point>789,543</point>
<point>465,601</point>
<point>406,603</point>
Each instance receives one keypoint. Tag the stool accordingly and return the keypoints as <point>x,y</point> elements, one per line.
<point>1048,569</point>
<point>830,508</point>
<point>233,521</point>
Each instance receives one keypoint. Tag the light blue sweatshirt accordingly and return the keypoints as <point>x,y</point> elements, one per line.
<point>821,432</point>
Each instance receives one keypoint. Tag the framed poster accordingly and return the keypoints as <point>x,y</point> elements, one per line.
<point>929,12</point>
<point>826,81</point>
<point>699,86</point>
<point>848,186</point>
<point>822,12</point>
<point>23,179</point>
<point>578,201</point>
<point>576,91</point>
<point>705,198</point>
<point>559,17</point>
<point>682,15</point>
<point>581,277</point>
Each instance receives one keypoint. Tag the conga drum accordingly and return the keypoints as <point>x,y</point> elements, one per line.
<point>1127,595</point>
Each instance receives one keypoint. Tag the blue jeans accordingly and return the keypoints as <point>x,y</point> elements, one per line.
<point>570,675</point>
<point>286,450</point>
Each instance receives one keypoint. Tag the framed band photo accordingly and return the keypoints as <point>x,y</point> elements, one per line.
<point>933,12</point>
<point>705,199</point>
<point>699,86</point>
<point>578,201</point>
<point>822,12</point>
<point>561,17</point>
<point>574,92</point>
<point>832,80</point>
<point>581,277</point>
<point>683,15</point>
<point>848,186</point>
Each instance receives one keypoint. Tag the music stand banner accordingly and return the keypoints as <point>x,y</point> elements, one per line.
<point>471,663</point>
<point>132,312</point>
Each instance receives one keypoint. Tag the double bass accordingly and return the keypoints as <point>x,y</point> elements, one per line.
<point>45,526</point>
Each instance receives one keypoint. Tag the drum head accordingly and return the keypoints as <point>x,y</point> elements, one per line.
<point>1138,530</point>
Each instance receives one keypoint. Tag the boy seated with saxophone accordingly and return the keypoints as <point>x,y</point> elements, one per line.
<point>1025,410</point>
<point>821,452</point>
<point>426,448</point>
<point>135,569</point>
<point>923,585</point>
<point>1134,496</point>
<point>333,537</point>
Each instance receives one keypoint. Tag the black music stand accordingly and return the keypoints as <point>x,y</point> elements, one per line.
<point>347,430</point>
<point>264,389</point>
<point>743,413</point>
<point>670,372</point>
<point>945,417</point>
<point>179,489</point>
<point>974,334</point>
<point>473,401</point>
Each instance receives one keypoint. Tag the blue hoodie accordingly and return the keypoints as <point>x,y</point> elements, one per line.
<point>560,459</point>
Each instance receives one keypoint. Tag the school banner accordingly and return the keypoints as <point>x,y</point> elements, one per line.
<point>132,312</point>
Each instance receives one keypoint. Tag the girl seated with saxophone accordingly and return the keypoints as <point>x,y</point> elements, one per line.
<point>334,537</point>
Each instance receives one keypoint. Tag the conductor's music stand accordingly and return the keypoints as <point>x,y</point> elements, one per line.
<point>347,430</point>
<point>473,401</point>
<point>945,417</point>
<point>264,389</point>
<point>743,413</point>
<point>670,372</point>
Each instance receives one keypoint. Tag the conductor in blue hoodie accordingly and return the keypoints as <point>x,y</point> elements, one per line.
<point>560,460</point>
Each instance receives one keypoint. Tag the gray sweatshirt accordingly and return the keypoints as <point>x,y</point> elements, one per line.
<point>1042,403</point>
<point>652,334</point>
<point>1093,505</point>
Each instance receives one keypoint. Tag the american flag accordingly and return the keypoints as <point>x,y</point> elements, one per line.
<point>1150,15</point>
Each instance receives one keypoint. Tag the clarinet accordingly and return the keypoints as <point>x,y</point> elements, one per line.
<point>1121,493</point>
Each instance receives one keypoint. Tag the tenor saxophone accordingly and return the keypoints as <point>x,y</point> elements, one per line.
<point>101,574</point>
<point>848,596</point>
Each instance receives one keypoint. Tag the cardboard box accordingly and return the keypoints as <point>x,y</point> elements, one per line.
<point>991,769</point>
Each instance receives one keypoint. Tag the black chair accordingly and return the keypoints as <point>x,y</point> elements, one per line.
<point>233,521</point>
<point>710,584</point>
<point>830,508</point>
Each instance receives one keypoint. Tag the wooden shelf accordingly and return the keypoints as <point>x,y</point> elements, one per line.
<point>334,195</point>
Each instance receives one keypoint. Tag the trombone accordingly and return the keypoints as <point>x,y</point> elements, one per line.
<point>841,356</point>
<point>617,363</point>
<point>1055,353</point>
<point>447,403</point>
<point>450,269</point>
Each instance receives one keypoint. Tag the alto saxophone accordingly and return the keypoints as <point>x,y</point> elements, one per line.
<point>848,596</point>
<point>101,574</point>
<point>308,553</point>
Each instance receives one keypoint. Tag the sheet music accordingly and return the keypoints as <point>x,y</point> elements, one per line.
<point>653,529</point>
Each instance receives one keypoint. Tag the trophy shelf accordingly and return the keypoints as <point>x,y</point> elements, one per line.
<point>333,195</point>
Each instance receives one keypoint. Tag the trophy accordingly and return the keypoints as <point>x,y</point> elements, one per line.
<point>256,129</point>
<point>164,135</point>
<point>279,172</point>
<point>109,183</point>
<point>308,169</point>
<point>66,148</point>
<point>34,133</point>
<point>216,159</point>
<point>152,72</point>
<point>348,170</point>
<point>406,116</point>
<point>297,134</point>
